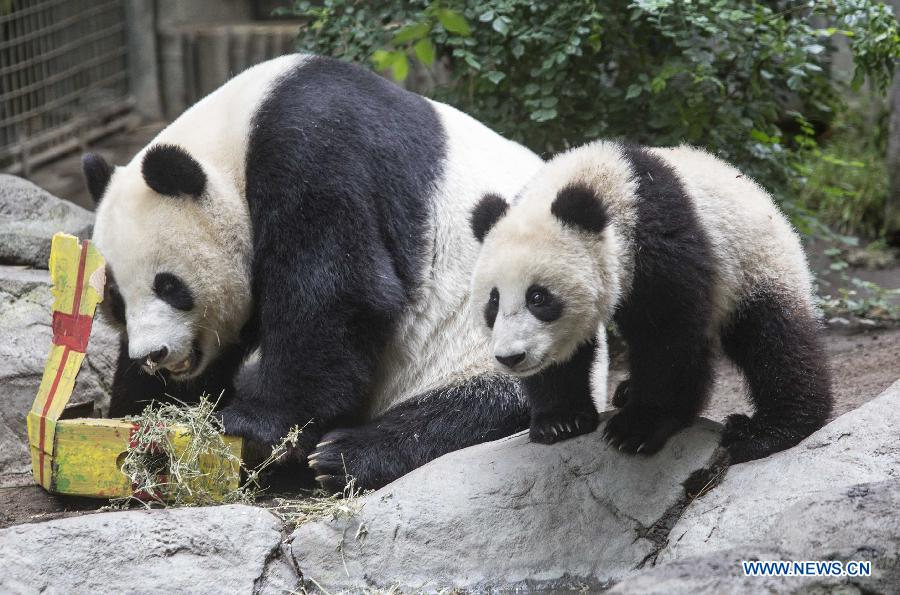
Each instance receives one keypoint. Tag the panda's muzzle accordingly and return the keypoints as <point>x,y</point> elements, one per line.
<point>156,361</point>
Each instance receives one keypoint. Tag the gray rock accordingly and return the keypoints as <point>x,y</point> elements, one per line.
<point>25,327</point>
<point>29,216</point>
<point>859,523</point>
<point>747,506</point>
<point>223,549</point>
<point>510,513</point>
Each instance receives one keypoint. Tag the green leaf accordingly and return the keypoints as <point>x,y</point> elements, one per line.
<point>495,76</point>
<point>382,59</point>
<point>542,115</point>
<point>501,25</point>
<point>425,51</point>
<point>633,91</point>
<point>400,66</point>
<point>760,136</point>
<point>411,33</point>
<point>454,22</point>
<point>471,61</point>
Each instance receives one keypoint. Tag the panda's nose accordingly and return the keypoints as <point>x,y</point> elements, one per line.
<point>155,357</point>
<point>510,360</point>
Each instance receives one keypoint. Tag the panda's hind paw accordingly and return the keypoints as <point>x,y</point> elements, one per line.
<point>550,427</point>
<point>747,439</point>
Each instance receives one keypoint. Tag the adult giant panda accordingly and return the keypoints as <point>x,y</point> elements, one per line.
<point>316,214</point>
<point>687,255</point>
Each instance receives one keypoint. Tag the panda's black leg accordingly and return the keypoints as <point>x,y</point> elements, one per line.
<point>620,396</point>
<point>778,350</point>
<point>416,431</point>
<point>670,378</point>
<point>560,399</point>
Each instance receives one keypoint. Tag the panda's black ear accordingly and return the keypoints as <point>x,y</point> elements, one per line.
<point>171,171</point>
<point>96,173</point>
<point>486,213</point>
<point>579,206</point>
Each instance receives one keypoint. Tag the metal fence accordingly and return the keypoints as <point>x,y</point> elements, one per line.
<point>63,77</point>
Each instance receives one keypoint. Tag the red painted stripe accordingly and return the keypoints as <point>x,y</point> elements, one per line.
<point>79,280</point>
<point>53,387</point>
<point>76,305</point>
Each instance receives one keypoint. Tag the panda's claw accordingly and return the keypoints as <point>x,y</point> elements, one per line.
<point>641,447</point>
<point>323,443</point>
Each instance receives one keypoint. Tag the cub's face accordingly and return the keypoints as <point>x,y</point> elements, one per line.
<point>534,288</point>
<point>177,252</point>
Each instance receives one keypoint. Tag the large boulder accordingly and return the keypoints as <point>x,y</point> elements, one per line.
<point>511,513</point>
<point>749,505</point>
<point>25,301</point>
<point>833,497</point>
<point>29,216</point>
<point>223,549</point>
<point>845,524</point>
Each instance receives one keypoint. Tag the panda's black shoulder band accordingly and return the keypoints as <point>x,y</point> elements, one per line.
<point>486,213</point>
<point>579,206</point>
<point>171,171</point>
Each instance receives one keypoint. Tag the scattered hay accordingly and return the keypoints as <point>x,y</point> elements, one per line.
<point>318,505</point>
<point>178,456</point>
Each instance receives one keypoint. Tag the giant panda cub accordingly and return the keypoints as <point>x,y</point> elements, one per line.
<point>688,257</point>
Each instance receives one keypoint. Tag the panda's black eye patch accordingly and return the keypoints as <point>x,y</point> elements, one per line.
<point>542,304</point>
<point>492,307</point>
<point>172,290</point>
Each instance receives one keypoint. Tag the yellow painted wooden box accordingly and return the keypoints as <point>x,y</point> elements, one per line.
<point>83,456</point>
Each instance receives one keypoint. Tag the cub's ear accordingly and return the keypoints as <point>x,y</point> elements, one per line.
<point>579,206</point>
<point>486,213</point>
<point>96,173</point>
<point>171,171</point>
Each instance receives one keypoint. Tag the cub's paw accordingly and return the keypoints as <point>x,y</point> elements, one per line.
<point>746,439</point>
<point>620,397</point>
<point>737,429</point>
<point>363,454</point>
<point>638,430</point>
<point>553,426</point>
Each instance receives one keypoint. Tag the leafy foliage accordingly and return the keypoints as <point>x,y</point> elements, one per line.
<point>747,79</point>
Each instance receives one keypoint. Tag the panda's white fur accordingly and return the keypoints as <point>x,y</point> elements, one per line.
<point>753,291</point>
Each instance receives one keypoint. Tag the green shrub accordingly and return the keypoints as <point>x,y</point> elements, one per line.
<point>734,76</point>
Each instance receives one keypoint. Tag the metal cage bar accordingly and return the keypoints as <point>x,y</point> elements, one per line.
<point>63,77</point>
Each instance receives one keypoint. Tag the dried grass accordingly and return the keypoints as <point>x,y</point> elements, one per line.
<point>178,457</point>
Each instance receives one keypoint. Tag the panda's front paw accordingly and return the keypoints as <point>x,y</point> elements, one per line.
<point>268,430</point>
<point>637,429</point>
<point>363,454</point>
<point>552,426</point>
